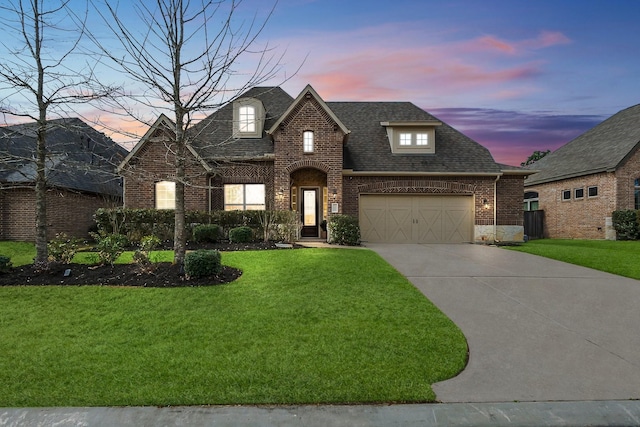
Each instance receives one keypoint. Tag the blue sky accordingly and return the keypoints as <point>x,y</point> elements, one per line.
<point>515,75</point>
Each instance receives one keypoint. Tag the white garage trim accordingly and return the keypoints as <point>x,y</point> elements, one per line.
<point>416,218</point>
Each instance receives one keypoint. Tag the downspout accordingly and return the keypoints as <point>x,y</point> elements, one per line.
<point>495,209</point>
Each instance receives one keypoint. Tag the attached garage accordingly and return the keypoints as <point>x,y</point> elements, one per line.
<point>386,218</point>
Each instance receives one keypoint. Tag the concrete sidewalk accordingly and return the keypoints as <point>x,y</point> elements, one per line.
<point>538,329</point>
<point>625,413</point>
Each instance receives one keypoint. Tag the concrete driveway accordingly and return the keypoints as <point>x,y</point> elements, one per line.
<point>538,329</point>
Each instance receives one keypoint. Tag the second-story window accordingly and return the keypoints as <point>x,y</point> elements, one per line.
<point>307,141</point>
<point>247,116</point>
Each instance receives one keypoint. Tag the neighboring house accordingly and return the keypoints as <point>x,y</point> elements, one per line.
<point>580,184</point>
<point>80,171</point>
<point>408,176</point>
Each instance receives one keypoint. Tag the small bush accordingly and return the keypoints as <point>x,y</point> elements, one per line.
<point>5,264</point>
<point>110,247</point>
<point>63,248</point>
<point>142,255</point>
<point>202,263</point>
<point>625,223</point>
<point>344,230</point>
<point>206,233</point>
<point>240,234</point>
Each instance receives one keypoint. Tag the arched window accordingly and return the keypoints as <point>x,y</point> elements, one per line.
<point>307,141</point>
<point>636,194</point>
<point>531,202</point>
<point>247,119</point>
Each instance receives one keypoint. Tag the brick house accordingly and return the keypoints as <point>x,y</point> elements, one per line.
<point>406,175</point>
<point>80,170</point>
<point>579,185</point>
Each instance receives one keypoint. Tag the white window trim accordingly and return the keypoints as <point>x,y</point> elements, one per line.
<point>563,193</point>
<point>240,121</point>
<point>575,195</point>
<point>588,191</point>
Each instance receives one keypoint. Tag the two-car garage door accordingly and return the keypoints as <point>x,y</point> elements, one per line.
<point>416,218</point>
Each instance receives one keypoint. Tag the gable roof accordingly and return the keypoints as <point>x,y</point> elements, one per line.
<point>78,156</point>
<point>603,148</point>
<point>309,91</point>
<point>368,148</point>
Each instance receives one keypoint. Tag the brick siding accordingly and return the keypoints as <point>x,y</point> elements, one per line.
<point>577,218</point>
<point>509,194</point>
<point>67,212</point>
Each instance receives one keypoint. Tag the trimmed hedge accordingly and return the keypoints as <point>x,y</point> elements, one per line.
<point>344,230</point>
<point>137,223</point>
<point>5,264</point>
<point>206,233</point>
<point>240,235</point>
<point>202,263</point>
<point>626,224</point>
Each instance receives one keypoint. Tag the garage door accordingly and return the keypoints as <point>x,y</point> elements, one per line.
<point>416,218</point>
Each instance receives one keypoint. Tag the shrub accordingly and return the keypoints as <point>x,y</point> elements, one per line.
<point>142,255</point>
<point>240,234</point>
<point>625,223</point>
<point>202,263</point>
<point>344,230</point>
<point>63,248</point>
<point>110,247</point>
<point>206,233</point>
<point>5,264</point>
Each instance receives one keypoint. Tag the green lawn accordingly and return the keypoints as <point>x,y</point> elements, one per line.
<point>617,257</point>
<point>21,253</point>
<point>300,326</point>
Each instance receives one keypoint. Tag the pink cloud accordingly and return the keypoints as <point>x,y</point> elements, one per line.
<point>493,43</point>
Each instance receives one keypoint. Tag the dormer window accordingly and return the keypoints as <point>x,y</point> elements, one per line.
<point>247,123</point>
<point>307,141</point>
<point>407,137</point>
<point>248,118</point>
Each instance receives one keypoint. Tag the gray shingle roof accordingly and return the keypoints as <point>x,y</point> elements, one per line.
<point>367,148</point>
<point>212,136</point>
<point>79,157</point>
<point>602,148</point>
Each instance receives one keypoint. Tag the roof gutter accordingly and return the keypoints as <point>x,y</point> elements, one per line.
<point>351,172</point>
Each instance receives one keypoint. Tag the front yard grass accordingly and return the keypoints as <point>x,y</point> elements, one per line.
<point>299,326</point>
<point>616,257</point>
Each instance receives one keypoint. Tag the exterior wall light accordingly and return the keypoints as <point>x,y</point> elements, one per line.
<point>485,204</point>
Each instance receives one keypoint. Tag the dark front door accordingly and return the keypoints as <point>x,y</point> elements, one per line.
<point>309,213</point>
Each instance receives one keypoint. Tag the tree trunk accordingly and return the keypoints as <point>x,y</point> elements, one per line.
<point>42,255</point>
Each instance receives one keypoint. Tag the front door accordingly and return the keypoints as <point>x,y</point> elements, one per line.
<point>309,213</point>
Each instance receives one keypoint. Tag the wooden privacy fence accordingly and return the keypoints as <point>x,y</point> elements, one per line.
<point>534,224</point>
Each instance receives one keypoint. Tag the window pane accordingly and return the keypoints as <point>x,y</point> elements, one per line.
<point>579,193</point>
<point>405,139</point>
<point>165,195</point>
<point>254,194</point>
<point>247,117</point>
<point>422,139</point>
<point>307,144</point>
<point>233,194</point>
<point>566,195</point>
<point>593,191</point>
<point>534,206</point>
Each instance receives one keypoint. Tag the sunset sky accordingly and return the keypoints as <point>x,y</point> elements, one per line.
<point>515,75</point>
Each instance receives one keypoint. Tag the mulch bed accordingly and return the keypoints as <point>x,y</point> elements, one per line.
<point>163,275</point>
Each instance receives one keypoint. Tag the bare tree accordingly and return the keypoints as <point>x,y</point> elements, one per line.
<point>39,77</point>
<point>184,55</point>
